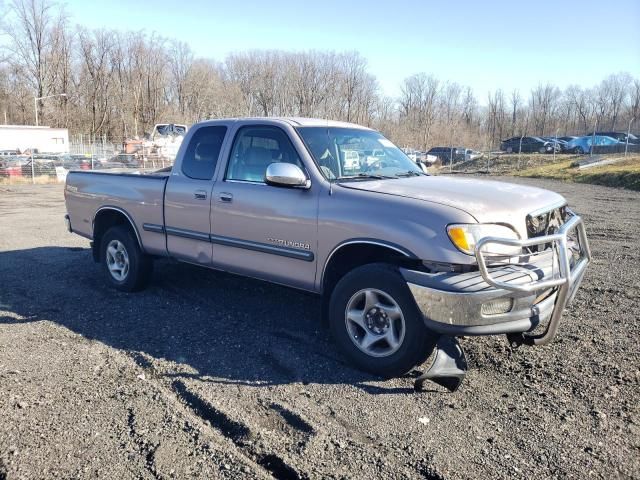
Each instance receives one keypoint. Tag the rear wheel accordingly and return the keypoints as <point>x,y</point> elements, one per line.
<point>376,323</point>
<point>578,150</point>
<point>125,266</point>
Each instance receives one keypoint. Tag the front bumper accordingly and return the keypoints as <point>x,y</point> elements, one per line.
<point>506,298</point>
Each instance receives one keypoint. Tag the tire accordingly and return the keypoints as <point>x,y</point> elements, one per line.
<point>414,342</point>
<point>578,150</point>
<point>120,252</point>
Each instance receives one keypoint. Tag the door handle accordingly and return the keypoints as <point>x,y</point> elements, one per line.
<point>226,197</point>
<point>200,195</point>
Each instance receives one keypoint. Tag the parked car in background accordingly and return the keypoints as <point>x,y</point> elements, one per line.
<point>9,153</point>
<point>421,158</point>
<point>584,144</point>
<point>124,160</point>
<point>76,162</point>
<point>10,167</point>
<point>41,167</point>
<point>412,154</point>
<point>470,155</point>
<point>448,154</point>
<point>428,158</point>
<point>455,154</point>
<point>562,144</point>
<point>529,145</point>
<point>620,136</point>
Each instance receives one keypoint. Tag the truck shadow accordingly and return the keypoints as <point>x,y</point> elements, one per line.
<point>226,328</point>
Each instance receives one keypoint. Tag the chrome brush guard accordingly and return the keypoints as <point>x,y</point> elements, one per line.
<point>572,264</point>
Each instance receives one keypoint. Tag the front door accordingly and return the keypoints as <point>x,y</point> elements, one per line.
<point>260,230</point>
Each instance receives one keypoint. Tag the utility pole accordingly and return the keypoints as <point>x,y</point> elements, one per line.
<point>626,145</point>
<point>35,102</point>
<point>33,170</point>
<point>520,151</point>
<point>593,137</point>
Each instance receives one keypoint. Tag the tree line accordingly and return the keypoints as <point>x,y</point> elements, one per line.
<point>119,84</point>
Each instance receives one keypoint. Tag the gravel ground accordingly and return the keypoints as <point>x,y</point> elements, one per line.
<point>207,374</point>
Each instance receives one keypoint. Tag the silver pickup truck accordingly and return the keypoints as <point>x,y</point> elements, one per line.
<point>405,262</point>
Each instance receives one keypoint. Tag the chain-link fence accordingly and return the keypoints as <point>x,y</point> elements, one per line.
<point>85,154</point>
<point>523,152</point>
<point>117,155</point>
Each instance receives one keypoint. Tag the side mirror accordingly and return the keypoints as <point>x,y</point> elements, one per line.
<point>286,175</point>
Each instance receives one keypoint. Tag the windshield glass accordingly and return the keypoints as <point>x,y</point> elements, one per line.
<point>344,153</point>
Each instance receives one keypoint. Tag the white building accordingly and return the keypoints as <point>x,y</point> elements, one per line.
<point>40,139</point>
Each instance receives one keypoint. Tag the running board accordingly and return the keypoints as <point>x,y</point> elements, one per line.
<point>448,368</point>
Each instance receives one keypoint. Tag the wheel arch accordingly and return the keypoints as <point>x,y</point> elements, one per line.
<point>107,217</point>
<point>356,252</point>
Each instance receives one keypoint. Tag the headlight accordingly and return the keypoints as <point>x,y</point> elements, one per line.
<point>465,237</point>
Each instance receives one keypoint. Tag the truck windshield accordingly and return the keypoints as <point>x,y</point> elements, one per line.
<point>352,153</point>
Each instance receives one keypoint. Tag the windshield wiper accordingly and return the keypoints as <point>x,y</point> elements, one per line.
<point>411,173</point>
<point>364,176</point>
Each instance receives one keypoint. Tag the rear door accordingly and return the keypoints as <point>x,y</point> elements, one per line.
<point>187,204</point>
<point>260,230</point>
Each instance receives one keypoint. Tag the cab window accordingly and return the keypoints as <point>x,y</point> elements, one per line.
<point>255,148</point>
<point>200,159</point>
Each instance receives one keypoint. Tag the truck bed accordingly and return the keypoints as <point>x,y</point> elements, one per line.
<point>139,196</point>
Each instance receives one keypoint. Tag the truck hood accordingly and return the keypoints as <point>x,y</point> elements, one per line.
<point>487,201</point>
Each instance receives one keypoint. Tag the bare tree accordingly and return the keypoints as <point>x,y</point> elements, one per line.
<point>543,106</point>
<point>634,105</point>
<point>616,88</point>
<point>353,67</point>
<point>469,107</point>
<point>497,116</point>
<point>418,101</point>
<point>180,64</point>
<point>32,42</point>
<point>96,75</point>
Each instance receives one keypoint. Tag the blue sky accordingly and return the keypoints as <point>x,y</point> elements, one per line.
<point>484,44</point>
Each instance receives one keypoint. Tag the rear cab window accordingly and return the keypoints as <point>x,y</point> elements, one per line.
<point>201,157</point>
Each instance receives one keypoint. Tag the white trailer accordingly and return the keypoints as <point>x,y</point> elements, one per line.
<point>40,139</point>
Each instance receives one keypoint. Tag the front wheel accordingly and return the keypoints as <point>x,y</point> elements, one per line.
<point>125,266</point>
<point>377,324</point>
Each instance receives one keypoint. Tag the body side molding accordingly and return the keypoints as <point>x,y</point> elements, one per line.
<point>288,252</point>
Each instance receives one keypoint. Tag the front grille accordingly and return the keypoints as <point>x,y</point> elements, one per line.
<point>545,223</point>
